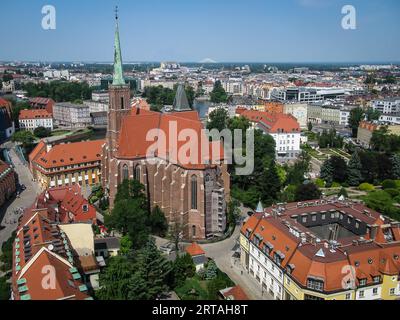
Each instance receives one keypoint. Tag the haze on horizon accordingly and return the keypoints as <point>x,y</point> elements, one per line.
<point>286,31</point>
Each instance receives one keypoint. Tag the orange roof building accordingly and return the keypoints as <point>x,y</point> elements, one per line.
<point>44,262</point>
<point>195,250</point>
<point>32,119</point>
<point>323,250</point>
<point>234,293</point>
<point>65,165</point>
<point>42,103</point>
<point>284,128</point>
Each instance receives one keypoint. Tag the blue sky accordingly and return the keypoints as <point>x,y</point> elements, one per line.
<point>192,30</point>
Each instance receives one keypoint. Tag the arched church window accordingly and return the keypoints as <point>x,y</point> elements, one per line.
<point>125,172</point>
<point>194,192</point>
<point>137,173</point>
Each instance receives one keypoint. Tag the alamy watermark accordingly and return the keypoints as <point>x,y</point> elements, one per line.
<point>349,21</point>
<point>49,19</point>
<point>193,147</point>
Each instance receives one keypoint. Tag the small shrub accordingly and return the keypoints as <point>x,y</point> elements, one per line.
<point>336,185</point>
<point>366,187</point>
<point>393,192</point>
<point>320,183</point>
<point>389,184</point>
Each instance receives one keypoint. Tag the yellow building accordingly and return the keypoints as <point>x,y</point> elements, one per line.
<point>323,250</point>
<point>67,164</point>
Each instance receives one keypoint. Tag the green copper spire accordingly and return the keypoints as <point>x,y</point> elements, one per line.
<point>118,79</point>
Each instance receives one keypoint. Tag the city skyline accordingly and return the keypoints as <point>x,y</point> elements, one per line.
<point>313,27</point>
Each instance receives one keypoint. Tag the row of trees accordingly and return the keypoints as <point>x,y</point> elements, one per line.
<point>330,139</point>
<point>159,96</point>
<point>364,166</point>
<point>268,178</point>
<point>59,91</point>
<point>140,272</point>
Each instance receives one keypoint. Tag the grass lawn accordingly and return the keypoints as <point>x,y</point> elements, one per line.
<point>59,133</point>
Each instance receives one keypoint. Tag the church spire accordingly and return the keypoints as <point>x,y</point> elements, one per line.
<point>118,78</point>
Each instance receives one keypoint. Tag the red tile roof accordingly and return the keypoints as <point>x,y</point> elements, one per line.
<point>195,250</point>
<point>69,154</point>
<point>134,143</point>
<point>34,114</point>
<point>318,259</point>
<point>235,293</point>
<point>272,122</point>
<point>70,204</point>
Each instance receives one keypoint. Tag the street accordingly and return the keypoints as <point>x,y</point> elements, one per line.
<point>8,217</point>
<point>222,253</point>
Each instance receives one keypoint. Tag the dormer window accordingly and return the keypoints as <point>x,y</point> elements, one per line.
<point>85,208</point>
<point>315,284</point>
<point>363,282</point>
<point>377,279</point>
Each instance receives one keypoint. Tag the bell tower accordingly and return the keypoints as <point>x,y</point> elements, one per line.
<point>119,93</point>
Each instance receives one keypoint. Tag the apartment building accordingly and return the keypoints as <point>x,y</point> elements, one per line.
<point>328,114</point>
<point>323,250</point>
<point>71,115</point>
<point>7,182</point>
<point>299,111</point>
<point>387,105</point>
<point>69,164</point>
<point>283,128</point>
<point>32,119</point>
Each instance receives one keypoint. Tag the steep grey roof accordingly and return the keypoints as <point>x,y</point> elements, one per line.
<point>181,102</point>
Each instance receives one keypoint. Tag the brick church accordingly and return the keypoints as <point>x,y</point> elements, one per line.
<point>191,193</point>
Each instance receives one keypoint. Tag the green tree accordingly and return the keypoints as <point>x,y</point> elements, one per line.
<point>372,114</point>
<point>356,116</point>
<point>41,132</point>
<point>218,119</point>
<point>4,289</point>
<point>154,269</point>
<point>116,279</point>
<point>126,245</point>
<point>326,173</point>
<point>339,166</point>
<point>218,95</point>
<point>211,270</point>
<point>310,126</point>
<point>270,184</point>
<point>142,276</point>
<point>308,191</point>
<point>184,268</point>
<point>343,192</point>
<point>395,159</point>
<point>130,214</point>
<point>354,177</point>
<point>175,232</point>
<point>26,138</point>
<point>382,202</point>
<point>158,223</point>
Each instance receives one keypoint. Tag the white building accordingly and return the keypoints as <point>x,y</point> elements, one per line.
<point>299,111</point>
<point>284,128</point>
<point>32,119</point>
<point>390,118</point>
<point>71,115</point>
<point>388,105</point>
